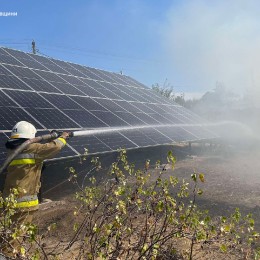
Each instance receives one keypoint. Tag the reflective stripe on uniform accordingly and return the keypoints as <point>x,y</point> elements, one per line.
<point>27,198</point>
<point>26,204</point>
<point>22,161</point>
<point>27,201</point>
<point>62,140</point>
<point>25,156</point>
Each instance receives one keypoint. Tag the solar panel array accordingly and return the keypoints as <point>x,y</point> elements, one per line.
<point>53,94</point>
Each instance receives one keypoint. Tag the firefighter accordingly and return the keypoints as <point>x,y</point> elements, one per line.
<point>24,172</point>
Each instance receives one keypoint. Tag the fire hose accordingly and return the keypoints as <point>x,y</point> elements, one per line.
<point>54,134</point>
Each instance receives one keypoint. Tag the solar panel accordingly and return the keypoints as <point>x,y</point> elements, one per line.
<point>12,82</point>
<point>48,63</point>
<point>54,94</point>
<point>85,119</point>
<point>89,103</point>
<point>26,60</point>
<point>9,116</point>
<point>52,118</point>
<point>116,140</point>
<point>156,136</point>
<point>8,59</point>
<point>22,72</point>
<point>3,153</point>
<point>91,143</point>
<point>41,85</point>
<point>28,99</point>
<point>61,101</point>
<point>5,101</point>
<point>110,119</point>
<point>141,139</point>
<point>148,119</point>
<point>130,118</point>
<point>67,88</point>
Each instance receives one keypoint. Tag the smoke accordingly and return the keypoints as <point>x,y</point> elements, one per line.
<point>209,41</point>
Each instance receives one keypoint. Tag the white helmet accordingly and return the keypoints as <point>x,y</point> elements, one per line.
<point>23,129</point>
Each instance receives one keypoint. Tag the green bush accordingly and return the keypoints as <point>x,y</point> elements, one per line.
<point>146,214</point>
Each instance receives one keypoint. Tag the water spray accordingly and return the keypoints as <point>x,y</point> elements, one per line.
<point>55,134</point>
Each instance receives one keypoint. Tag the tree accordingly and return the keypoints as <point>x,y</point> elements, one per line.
<point>167,91</point>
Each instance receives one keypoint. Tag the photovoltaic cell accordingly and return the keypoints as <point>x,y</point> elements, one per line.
<point>22,72</point>
<point>85,119</point>
<point>109,118</point>
<point>124,96</point>
<point>111,105</point>
<point>61,101</point>
<point>161,118</point>
<point>130,118</point>
<point>174,119</point>
<point>28,99</point>
<point>108,77</point>
<point>149,120</point>
<point>53,118</point>
<point>9,116</point>
<point>128,106</point>
<point>108,93</point>
<point>69,69</point>
<point>139,137</point>
<point>86,72</point>
<point>91,92</point>
<point>199,132</point>
<point>41,85</point>
<point>5,101</point>
<point>67,88</point>
<point>135,94</point>
<point>120,79</point>
<point>143,107</point>
<point>115,141</point>
<point>156,135</point>
<point>72,80</point>
<point>7,59</point>
<point>12,82</point>
<point>4,71</point>
<point>26,60</point>
<point>91,143</point>
<point>176,133</point>
<point>48,63</point>
<point>50,76</point>
<point>89,103</point>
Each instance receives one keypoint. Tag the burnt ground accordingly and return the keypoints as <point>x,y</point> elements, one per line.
<point>232,180</point>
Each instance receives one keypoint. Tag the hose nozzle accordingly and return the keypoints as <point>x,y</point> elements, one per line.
<point>57,133</point>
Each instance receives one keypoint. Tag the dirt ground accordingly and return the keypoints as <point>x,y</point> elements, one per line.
<point>232,180</point>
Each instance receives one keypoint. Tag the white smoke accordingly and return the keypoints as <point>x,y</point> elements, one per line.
<point>209,41</point>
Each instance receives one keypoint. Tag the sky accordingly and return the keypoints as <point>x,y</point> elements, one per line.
<point>190,43</point>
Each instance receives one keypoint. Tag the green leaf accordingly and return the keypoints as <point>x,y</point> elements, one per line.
<point>223,248</point>
<point>201,176</point>
<point>194,177</point>
<point>200,192</point>
<point>22,250</point>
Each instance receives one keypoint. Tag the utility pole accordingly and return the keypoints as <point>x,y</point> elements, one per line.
<point>33,47</point>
